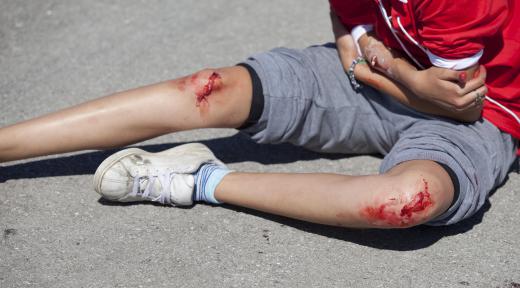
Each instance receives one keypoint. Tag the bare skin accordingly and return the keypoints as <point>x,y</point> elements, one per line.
<point>435,91</point>
<point>146,112</point>
<point>410,194</point>
<point>342,200</point>
<point>449,89</point>
<point>132,116</point>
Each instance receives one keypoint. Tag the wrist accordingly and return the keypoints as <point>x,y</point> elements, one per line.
<point>358,32</point>
<point>351,75</point>
<point>413,81</point>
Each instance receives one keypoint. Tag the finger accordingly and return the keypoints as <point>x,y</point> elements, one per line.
<point>471,85</point>
<point>463,77</point>
<point>450,75</point>
<point>479,80</point>
<point>450,89</point>
<point>481,72</point>
<point>443,104</point>
<point>471,100</point>
<point>461,103</point>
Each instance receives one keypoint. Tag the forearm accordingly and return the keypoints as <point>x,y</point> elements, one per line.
<point>405,96</point>
<point>400,80</point>
<point>406,74</point>
<point>394,75</point>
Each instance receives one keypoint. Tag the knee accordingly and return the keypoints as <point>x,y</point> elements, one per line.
<point>416,198</point>
<point>217,94</point>
<point>201,85</point>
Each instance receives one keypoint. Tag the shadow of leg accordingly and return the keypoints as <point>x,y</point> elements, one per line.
<point>233,149</point>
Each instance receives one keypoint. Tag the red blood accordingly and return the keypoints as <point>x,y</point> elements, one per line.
<point>463,77</point>
<point>204,92</point>
<point>420,202</point>
<point>384,213</point>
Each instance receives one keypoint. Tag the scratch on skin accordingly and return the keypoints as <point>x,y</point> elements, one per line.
<point>382,213</point>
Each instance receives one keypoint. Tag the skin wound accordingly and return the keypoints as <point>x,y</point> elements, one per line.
<point>205,91</point>
<point>387,214</point>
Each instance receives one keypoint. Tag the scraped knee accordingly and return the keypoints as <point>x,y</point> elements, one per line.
<point>416,200</point>
<point>221,97</point>
<point>201,85</point>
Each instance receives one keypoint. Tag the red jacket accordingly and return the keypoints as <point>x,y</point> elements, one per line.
<point>456,35</point>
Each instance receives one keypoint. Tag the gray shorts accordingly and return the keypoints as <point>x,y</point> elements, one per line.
<point>309,102</point>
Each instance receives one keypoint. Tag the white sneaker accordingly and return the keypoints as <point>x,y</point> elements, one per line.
<point>165,177</point>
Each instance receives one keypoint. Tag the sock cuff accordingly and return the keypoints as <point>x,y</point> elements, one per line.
<point>214,179</point>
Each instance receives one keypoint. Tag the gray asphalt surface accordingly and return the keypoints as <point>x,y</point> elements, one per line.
<point>56,232</point>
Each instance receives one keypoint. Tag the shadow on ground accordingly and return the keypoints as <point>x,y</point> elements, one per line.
<point>233,149</point>
<point>239,148</point>
<point>394,239</point>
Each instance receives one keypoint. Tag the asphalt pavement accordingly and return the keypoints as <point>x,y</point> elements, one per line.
<point>56,232</point>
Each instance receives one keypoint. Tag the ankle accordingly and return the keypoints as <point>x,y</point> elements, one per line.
<point>207,178</point>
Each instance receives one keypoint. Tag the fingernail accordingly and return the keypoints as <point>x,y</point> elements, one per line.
<point>462,77</point>
<point>477,72</point>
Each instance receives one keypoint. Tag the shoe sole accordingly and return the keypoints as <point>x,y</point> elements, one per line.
<point>116,157</point>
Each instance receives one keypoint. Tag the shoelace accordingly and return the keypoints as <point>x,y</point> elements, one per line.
<point>165,178</point>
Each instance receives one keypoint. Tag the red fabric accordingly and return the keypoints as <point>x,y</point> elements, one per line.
<point>454,30</point>
<point>353,13</point>
<point>457,29</point>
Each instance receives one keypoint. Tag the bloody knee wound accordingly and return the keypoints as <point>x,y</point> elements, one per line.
<point>412,212</point>
<point>201,85</point>
<point>204,91</point>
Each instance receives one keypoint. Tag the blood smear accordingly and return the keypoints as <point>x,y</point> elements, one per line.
<point>420,202</point>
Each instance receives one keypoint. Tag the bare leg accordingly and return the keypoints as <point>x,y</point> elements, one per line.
<point>411,193</point>
<point>209,98</point>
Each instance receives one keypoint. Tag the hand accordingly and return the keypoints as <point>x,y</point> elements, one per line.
<point>344,42</point>
<point>449,88</point>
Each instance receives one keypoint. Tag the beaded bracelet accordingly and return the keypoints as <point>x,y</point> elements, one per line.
<point>350,73</point>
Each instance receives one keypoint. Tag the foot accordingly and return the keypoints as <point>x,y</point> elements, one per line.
<point>166,177</point>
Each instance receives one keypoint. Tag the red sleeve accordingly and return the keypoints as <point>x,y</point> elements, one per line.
<point>456,29</point>
<point>354,12</point>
